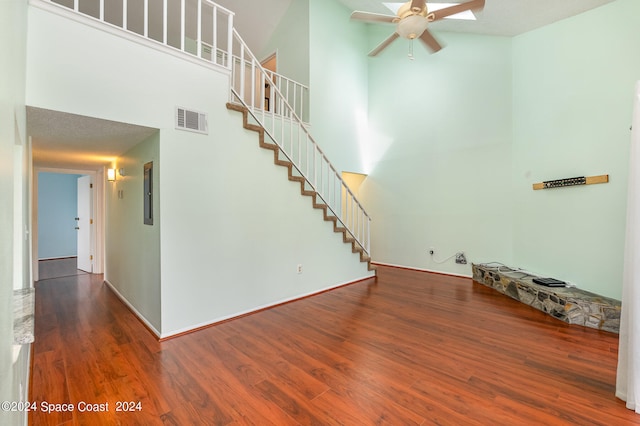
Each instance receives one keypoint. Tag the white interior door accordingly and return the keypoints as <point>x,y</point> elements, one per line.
<point>84,223</point>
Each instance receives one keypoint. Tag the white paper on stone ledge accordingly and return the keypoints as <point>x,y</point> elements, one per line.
<point>628,375</point>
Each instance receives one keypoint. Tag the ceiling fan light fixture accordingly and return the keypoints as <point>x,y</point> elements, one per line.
<point>412,26</point>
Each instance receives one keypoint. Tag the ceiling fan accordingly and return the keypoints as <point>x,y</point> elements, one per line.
<point>412,21</point>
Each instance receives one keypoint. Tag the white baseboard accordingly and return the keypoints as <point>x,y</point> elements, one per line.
<point>73,256</point>
<point>259,308</point>
<point>412,268</point>
<point>133,309</point>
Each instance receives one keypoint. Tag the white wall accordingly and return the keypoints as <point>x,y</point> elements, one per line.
<point>231,245</point>
<point>439,151</point>
<point>573,93</point>
<point>225,248</point>
<point>14,360</point>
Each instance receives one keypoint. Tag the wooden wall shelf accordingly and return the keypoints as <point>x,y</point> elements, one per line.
<point>581,180</point>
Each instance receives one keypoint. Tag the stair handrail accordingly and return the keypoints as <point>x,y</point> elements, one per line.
<point>361,236</point>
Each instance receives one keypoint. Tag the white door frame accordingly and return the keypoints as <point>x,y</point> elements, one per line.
<point>98,234</point>
<point>85,235</point>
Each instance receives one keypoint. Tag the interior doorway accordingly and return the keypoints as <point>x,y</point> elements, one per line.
<point>66,226</point>
<point>269,64</point>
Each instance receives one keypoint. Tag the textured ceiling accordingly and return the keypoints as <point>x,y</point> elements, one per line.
<point>62,140</point>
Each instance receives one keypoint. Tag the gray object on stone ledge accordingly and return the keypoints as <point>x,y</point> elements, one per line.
<point>568,304</point>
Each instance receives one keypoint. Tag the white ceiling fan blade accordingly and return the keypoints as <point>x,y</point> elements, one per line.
<point>453,10</point>
<point>379,48</point>
<point>373,17</point>
<point>429,40</point>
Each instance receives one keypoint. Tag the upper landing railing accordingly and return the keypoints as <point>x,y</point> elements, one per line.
<point>198,27</point>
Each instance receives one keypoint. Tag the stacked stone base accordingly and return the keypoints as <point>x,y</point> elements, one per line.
<point>571,305</point>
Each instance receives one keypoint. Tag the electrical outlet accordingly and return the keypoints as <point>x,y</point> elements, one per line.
<point>299,268</point>
<point>461,258</point>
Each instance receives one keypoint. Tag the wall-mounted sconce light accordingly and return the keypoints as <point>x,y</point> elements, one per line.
<point>111,175</point>
<point>121,171</point>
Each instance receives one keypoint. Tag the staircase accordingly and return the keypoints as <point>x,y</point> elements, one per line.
<point>318,203</point>
<point>282,130</point>
<point>278,122</point>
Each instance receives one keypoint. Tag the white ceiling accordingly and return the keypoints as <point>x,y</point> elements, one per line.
<point>70,141</point>
<point>256,20</point>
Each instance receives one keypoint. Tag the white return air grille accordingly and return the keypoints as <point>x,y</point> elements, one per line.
<point>190,120</point>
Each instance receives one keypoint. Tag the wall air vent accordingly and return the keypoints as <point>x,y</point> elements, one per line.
<point>192,121</point>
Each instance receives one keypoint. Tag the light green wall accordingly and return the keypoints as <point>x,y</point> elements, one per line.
<point>464,133</point>
<point>133,248</point>
<point>319,46</point>
<point>338,83</point>
<point>14,360</point>
<point>573,88</point>
<point>439,151</point>
<point>290,41</point>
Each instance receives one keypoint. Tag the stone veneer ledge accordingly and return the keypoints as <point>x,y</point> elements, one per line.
<point>568,304</point>
<point>23,316</point>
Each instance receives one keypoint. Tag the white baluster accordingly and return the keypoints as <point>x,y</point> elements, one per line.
<point>315,170</point>
<point>253,84</point>
<point>164,21</point>
<point>125,10</point>
<point>199,30</point>
<point>229,39</point>
<point>146,18</point>
<point>214,36</point>
<point>183,19</point>
<point>242,72</point>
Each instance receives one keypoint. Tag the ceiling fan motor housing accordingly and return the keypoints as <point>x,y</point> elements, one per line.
<point>412,23</point>
<point>412,26</point>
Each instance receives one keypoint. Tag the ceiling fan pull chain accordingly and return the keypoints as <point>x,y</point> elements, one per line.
<point>411,57</point>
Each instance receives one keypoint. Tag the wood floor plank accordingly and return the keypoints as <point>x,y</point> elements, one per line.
<point>407,348</point>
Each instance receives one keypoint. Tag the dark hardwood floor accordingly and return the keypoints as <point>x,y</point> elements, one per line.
<point>409,348</point>
<point>56,268</point>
